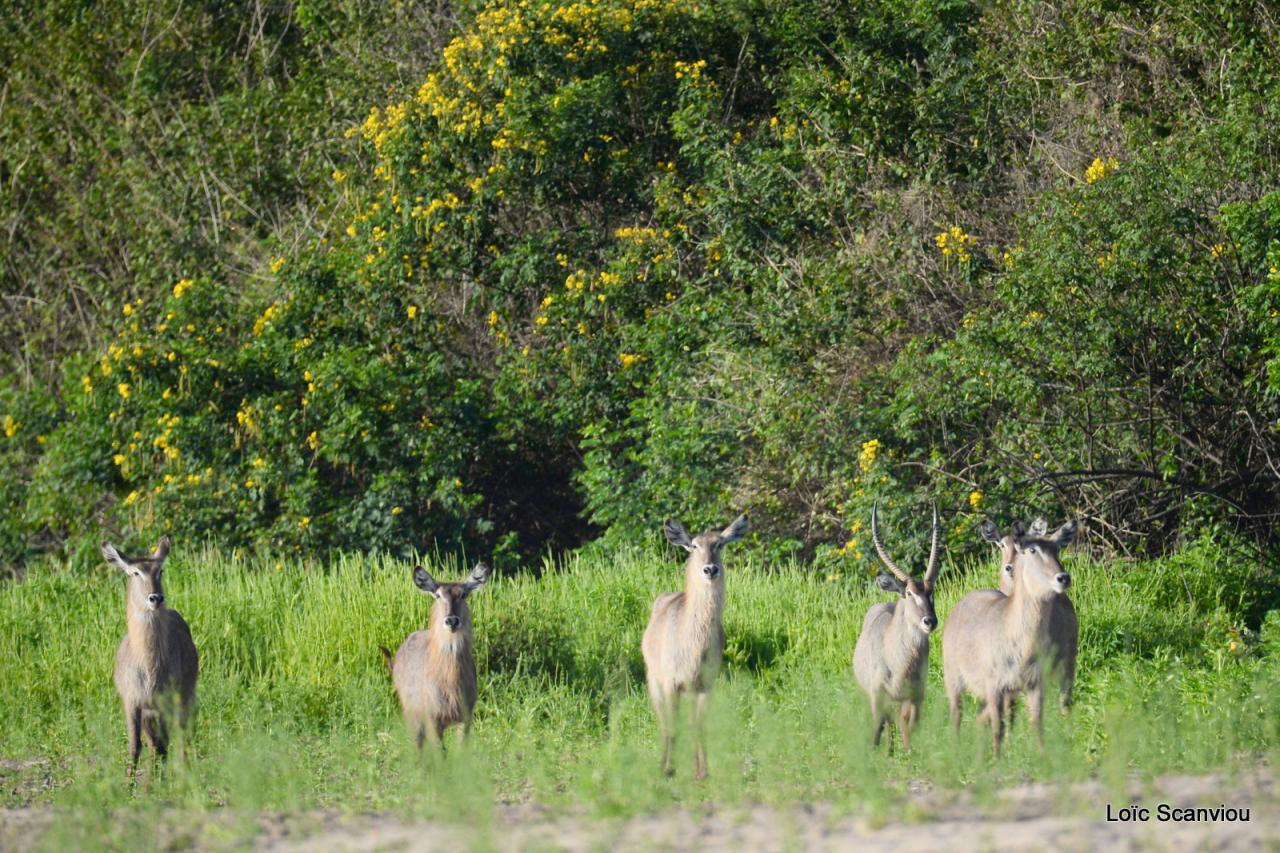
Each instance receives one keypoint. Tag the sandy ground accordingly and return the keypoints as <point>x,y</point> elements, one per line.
<point>1027,817</point>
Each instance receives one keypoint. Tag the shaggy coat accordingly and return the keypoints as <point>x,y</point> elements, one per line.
<point>683,644</point>
<point>156,663</point>
<point>994,644</point>
<point>1063,631</point>
<point>434,671</point>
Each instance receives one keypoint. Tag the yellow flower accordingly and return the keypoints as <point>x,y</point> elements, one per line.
<point>118,458</point>
<point>130,498</point>
<point>1218,250</point>
<point>867,457</point>
<point>628,360</point>
<point>123,389</point>
<point>351,230</point>
<point>128,310</point>
<point>10,426</point>
<point>975,498</point>
<point>1100,168</point>
<point>339,176</point>
<point>395,510</point>
<point>493,319</point>
<point>277,264</point>
<point>541,319</point>
<point>313,440</point>
<point>182,287</point>
<point>305,522</point>
<point>955,241</point>
<point>412,311</point>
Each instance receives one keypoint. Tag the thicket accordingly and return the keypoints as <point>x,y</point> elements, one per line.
<point>603,262</point>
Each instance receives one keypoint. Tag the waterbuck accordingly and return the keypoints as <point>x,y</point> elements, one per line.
<point>1064,627</point>
<point>891,659</point>
<point>684,642</point>
<point>434,672</point>
<point>994,644</point>
<point>156,663</point>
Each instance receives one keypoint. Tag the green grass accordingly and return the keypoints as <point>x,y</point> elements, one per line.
<point>297,711</point>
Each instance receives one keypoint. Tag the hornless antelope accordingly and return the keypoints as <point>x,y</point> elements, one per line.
<point>993,644</point>
<point>434,672</point>
<point>891,659</point>
<point>1064,628</point>
<point>156,663</point>
<point>684,642</point>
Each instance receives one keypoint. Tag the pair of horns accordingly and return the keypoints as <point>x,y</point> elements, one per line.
<point>931,573</point>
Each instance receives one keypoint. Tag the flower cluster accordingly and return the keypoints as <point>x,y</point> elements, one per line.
<point>867,457</point>
<point>954,242</point>
<point>1100,168</point>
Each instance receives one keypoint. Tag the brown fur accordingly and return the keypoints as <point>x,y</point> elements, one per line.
<point>891,658</point>
<point>1063,629</point>
<point>683,644</point>
<point>434,671</point>
<point>993,644</point>
<point>156,663</point>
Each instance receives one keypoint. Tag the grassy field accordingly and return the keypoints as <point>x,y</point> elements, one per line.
<point>297,711</point>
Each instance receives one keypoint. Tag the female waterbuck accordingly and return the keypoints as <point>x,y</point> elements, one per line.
<point>891,659</point>
<point>156,663</point>
<point>994,644</point>
<point>434,671</point>
<point>1064,627</point>
<point>684,642</point>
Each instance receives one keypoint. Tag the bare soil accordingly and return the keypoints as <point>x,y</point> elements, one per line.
<point>1026,817</point>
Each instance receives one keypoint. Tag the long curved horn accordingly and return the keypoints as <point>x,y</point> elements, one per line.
<point>931,573</point>
<point>884,558</point>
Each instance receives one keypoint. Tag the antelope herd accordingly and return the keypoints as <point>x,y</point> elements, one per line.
<point>997,644</point>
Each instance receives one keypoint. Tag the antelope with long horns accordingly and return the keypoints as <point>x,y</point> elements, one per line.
<point>891,659</point>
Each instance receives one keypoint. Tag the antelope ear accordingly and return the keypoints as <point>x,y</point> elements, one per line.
<point>162,548</point>
<point>677,535</point>
<point>113,557</point>
<point>734,531</point>
<point>479,577</point>
<point>1066,534</point>
<point>423,580</point>
<point>889,583</point>
<point>991,533</point>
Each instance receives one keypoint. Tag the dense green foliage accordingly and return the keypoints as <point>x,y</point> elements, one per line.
<point>297,711</point>
<point>600,262</point>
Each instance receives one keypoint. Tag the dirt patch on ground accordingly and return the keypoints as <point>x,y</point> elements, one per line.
<point>1026,817</point>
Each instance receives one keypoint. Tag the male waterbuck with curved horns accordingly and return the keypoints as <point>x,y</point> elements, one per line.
<point>434,671</point>
<point>993,644</point>
<point>684,642</point>
<point>156,663</point>
<point>1064,627</point>
<point>891,659</point>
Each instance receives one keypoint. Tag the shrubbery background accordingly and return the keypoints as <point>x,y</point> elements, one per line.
<point>585,265</point>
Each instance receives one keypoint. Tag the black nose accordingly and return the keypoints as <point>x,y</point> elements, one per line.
<point>711,571</point>
<point>155,600</point>
<point>1064,580</point>
<point>930,622</point>
<point>451,622</point>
